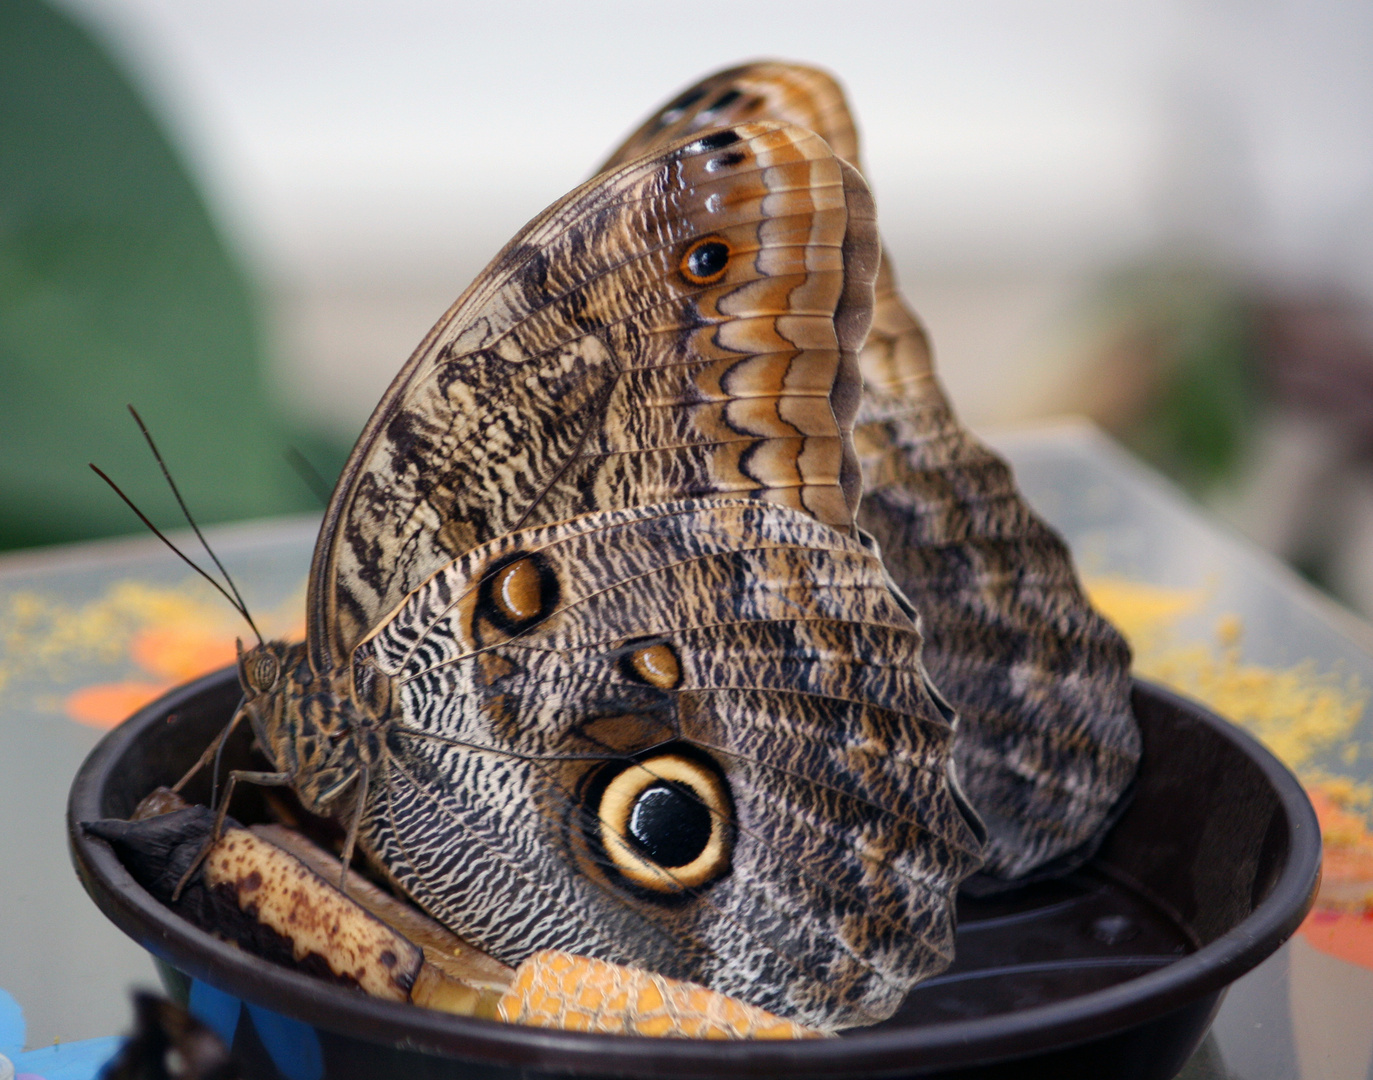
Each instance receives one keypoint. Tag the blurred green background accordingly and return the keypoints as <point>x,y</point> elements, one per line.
<point>116,288</point>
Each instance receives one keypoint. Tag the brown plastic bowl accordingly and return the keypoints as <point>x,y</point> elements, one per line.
<point>1115,971</point>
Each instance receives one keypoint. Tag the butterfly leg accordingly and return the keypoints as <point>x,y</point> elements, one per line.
<point>210,751</point>
<point>262,779</point>
<point>350,841</point>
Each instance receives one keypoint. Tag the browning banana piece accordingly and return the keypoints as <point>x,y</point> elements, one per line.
<point>283,905</point>
<point>250,892</point>
<point>442,948</point>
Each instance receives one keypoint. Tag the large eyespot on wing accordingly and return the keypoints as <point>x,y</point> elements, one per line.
<point>665,823</point>
<point>684,325</point>
<point>715,757</point>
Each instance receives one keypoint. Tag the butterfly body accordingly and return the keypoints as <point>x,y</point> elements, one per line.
<point>310,727</point>
<point>596,659</point>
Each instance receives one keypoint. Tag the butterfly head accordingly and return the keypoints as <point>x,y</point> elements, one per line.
<point>263,673</point>
<point>260,670</point>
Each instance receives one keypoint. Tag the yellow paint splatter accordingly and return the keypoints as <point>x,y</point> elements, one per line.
<point>160,635</point>
<point>1302,714</point>
<point>1144,613</point>
<point>1299,712</point>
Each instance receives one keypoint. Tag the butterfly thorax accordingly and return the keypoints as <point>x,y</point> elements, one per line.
<point>310,725</point>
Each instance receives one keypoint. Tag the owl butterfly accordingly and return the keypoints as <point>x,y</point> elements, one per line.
<point>596,659</point>
<point>1047,746</point>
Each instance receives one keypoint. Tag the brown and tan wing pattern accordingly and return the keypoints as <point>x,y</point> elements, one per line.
<point>687,324</point>
<point>738,652</point>
<point>1047,744</point>
<point>896,356</point>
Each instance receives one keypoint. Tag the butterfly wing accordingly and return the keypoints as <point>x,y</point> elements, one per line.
<point>686,324</point>
<point>532,639</point>
<point>1047,744</point>
<point>553,683</point>
<point>896,358</point>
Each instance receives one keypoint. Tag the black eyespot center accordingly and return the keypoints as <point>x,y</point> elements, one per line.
<point>706,261</point>
<point>670,824</point>
<point>716,140</point>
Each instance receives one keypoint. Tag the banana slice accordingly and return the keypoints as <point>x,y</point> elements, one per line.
<point>272,891</point>
<point>576,993</point>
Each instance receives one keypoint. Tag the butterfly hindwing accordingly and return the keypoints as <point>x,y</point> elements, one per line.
<point>1047,744</point>
<point>741,639</point>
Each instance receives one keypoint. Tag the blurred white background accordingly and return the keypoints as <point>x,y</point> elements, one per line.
<point>367,159</point>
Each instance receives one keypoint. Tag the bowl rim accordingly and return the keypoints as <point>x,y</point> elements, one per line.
<point>941,1045</point>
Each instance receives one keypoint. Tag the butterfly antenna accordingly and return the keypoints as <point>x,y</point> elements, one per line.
<point>240,605</point>
<point>237,605</point>
<point>311,477</point>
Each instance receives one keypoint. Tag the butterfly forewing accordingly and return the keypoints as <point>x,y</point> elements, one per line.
<point>764,90</point>
<point>748,641</point>
<point>896,357</point>
<point>685,325</point>
<point>1047,744</point>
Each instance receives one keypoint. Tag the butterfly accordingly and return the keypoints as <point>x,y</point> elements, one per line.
<point>596,658</point>
<point>1047,745</point>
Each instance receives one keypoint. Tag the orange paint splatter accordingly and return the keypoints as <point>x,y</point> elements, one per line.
<point>1341,924</point>
<point>173,652</point>
<point>181,651</point>
<point>1344,935</point>
<point>108,704</point>
<point>1347,866</point>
